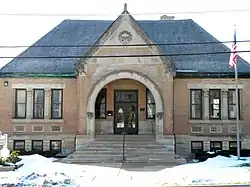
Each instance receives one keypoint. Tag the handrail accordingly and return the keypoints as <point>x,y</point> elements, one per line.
<point>123,144</point>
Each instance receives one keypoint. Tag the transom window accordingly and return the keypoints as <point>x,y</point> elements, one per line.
<point>196,104</point>
<point>126,96</point>
<point>100,104</point>
<point>214,104</point>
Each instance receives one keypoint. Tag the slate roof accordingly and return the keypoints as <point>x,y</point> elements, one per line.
<point>86,32</point>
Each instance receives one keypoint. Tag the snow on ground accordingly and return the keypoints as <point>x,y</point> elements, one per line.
<point>38,170</point>
<point>217,170</point>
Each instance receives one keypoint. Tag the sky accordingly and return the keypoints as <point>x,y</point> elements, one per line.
<point>20,30</point>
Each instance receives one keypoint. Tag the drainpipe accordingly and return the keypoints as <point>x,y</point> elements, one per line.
<point>173,120</point>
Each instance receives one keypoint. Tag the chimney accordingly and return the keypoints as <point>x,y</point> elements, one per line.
<point>166,17</point>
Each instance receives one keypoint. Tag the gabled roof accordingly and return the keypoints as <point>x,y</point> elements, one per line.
<point>87,32</point>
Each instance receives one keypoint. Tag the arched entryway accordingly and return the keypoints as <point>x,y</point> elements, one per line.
<point>125,75</point>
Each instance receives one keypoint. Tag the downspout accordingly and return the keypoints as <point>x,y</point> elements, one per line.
<point>173,118</point>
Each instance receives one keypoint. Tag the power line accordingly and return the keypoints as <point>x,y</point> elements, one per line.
<point>120,45</point>
<point>117,56</point>
<point>135,14</point>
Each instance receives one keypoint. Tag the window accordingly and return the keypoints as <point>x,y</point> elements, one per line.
<point>38,104</point>
<point>150,107</point>
<point>196,146</point>
<point>196,104</point>
<point>214,104</point>
<point>56,145</point>
<point>19,145</point>
<point>100,105</point>
<point>20,105</point>
<point>216,146</point>
<point>232,103</point>
<point>56,103</point>
<point>37,145</point>
<point>233,145</point>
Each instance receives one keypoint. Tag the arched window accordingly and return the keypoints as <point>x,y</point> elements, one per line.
<point>100,104</point>
<point>150,107</point>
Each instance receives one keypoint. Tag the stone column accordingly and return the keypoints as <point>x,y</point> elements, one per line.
<point>224,104</point>
<point>159,125</point>
<point>47,107</point>
<point>206,104</point>
<point>91,125</point>
<point>29,110</point>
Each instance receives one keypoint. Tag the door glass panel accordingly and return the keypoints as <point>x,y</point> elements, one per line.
<point>120,118</point>
<point>131,117</point>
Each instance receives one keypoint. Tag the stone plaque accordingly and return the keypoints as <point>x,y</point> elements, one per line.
<point>216,128</point>
<point>233,128</point>
<point>20,128</point>
<point>56,128</point>
<point>197,129</point>
<point>37,128</point>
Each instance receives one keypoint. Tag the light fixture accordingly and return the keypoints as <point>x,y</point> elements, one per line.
<point>6,83</point>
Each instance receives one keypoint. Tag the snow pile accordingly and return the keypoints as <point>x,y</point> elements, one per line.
<point>217,170</point>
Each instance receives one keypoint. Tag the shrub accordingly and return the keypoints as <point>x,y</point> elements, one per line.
<point>13,158</point>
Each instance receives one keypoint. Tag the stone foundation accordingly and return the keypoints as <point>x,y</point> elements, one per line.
<point>183,142</point>
<point>68,141</point>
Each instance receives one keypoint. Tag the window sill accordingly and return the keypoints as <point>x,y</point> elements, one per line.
<point>213,121</point>
<point>37,120</point>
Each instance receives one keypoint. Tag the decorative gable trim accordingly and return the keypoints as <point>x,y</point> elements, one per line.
<point>125,15</point>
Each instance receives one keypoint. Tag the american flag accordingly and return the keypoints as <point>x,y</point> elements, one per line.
<point>233,56</point>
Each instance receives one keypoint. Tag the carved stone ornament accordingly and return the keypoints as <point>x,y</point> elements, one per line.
<point>125,37</point>
<point>90,115</point>
<point>159,115</point>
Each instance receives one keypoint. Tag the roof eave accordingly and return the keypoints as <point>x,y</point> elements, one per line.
<point>37,75</point>
<point>211,75</point>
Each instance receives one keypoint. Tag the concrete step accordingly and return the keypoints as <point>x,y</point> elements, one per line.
<point>135,145</point>
<point>107,151</point>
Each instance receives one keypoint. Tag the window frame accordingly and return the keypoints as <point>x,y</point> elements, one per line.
<point>209,100</point>
<point>32,145</point>
<point>192,148</point>
<point>191,104</point>
<point>14,143</point>
<point>234,104</point>
<point>16,104</point>
<point>52,103</point>
<point>50,145</point>
<point>212,147</point>
<point>34,103</point>
<point>147,93</point>
<point>105,104</point>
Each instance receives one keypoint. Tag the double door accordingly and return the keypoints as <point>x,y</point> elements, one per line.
<point>126,117</point>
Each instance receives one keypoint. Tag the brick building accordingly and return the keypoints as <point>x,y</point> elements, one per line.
<point>85,90</point>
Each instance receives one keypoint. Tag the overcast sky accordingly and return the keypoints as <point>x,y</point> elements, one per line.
<point>25,30</point>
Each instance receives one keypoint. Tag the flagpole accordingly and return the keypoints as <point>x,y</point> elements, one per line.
<point>237,112</point>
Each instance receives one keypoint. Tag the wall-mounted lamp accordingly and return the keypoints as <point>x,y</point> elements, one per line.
<point>6,83</point>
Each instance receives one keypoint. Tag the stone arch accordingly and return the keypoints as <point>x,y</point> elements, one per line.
<point>124,75</point>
